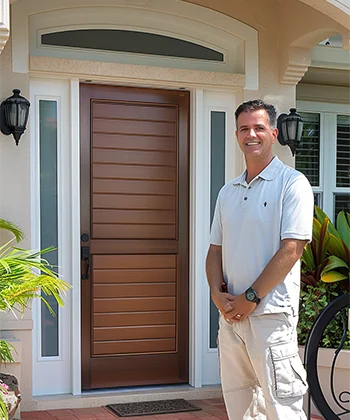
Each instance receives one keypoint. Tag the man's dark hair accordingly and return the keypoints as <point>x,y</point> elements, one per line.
<point>255,105</point>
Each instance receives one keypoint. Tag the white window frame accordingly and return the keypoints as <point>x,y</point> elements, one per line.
<point>58,366</point>
<point>328,141</point>
<point>221,102</point>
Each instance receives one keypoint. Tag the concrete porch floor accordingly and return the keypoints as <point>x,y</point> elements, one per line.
<point>212,409</point>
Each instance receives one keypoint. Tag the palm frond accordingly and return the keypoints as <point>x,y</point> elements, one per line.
<point>11,227</point>
<point>3,409</point>
<point>23,275</point>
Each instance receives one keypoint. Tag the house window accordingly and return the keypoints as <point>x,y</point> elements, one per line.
<point>130,42</point>
<point>217,180</point>
<point>48,217</point>
<point>324,156</point>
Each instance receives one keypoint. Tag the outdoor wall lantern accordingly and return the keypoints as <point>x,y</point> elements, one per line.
<point>14,113</point>
<point>290,129</point>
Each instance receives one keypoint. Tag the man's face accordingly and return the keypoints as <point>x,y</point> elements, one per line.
<point>255,136</point>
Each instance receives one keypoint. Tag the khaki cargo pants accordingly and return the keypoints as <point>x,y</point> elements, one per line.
<point>262,375</point>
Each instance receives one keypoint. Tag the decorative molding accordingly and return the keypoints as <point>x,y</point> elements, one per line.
<point>187,21</point>
<point>4,23</point>
<point>129,73</point>
<point>16,324</point>
<point>294,65</point>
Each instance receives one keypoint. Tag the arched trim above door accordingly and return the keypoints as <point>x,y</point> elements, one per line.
<point>236,41</point>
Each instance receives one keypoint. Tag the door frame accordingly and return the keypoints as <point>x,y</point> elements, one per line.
<point>201,101</point>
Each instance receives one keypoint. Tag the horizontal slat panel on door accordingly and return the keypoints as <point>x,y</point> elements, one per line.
<point>134,333</point>
<point>134,290</point>
<point>135,319</point>
<point>144,275</point>
<point>134,157</point>
<point>134,216</point>
<point>128,111</point>
<point>156,173</point>
<point>164,303</point>
<point>132,347</point>
<point>134,231</point>
<point>133,187</point>
<point>134,142</point>
<point>150,128</point>
<point>134,261</point>
<point>120,201</point>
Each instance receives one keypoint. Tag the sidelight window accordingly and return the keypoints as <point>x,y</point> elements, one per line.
<point>48,217</point>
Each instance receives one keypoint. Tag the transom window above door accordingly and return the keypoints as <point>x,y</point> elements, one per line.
<point>135,42</point>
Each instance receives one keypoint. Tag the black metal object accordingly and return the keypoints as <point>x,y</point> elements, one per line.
<point>340,305</point>
<point>14,112</point>
<point>85,256</point>
<point>290,129</point>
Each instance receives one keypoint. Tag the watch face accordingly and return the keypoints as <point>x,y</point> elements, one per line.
<point>250,295</point>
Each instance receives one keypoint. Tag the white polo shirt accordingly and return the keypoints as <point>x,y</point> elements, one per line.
<point>250,220</point>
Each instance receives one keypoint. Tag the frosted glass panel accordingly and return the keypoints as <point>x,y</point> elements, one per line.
<point>48,216</point>
<point>217,180</point>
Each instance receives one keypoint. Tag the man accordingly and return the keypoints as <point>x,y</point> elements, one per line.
<point>262,221</point>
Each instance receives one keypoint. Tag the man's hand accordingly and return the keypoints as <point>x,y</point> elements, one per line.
<point>238,308</point>
<point>221,298</point>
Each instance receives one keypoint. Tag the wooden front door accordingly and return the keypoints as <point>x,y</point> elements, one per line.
<point>134,226</point>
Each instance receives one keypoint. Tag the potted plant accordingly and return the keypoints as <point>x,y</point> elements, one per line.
<point>325,266</point>
<point>24,274</point>
<point>325,276</point>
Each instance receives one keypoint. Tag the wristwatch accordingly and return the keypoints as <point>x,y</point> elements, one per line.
<point>252,296</point>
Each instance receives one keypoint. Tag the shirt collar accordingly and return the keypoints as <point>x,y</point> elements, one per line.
<point>268,174</point>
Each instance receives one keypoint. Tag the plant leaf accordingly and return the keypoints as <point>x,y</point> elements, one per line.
<point>343,228</point>
<point>332,263</point>
<point>337,247</point>
<point>321,216</point>
<point>308,258</point>
<point>11,227</point>
<point>333,276</point>
<point>323,241</point>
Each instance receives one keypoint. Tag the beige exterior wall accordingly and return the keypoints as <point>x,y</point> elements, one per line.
<point>15,206</point>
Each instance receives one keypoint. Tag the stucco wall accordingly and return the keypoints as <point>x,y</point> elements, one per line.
<point>15,206</point>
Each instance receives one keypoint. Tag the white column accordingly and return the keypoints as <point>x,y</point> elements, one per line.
<point>4,23</point>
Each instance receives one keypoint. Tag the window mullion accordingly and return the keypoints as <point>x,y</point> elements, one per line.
<point>328,158</point>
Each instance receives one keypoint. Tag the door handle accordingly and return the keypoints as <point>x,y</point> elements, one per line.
<point>85,256</point>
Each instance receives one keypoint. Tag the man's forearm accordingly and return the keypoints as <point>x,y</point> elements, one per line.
<point>279,266</point>
<point>214,267</point>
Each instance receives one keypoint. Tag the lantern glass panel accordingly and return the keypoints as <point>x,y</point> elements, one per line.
<point>284,130</point>
<point>22,115</point>
<point>11,115</point>
<point>300,129</point>
<point>292,129</point>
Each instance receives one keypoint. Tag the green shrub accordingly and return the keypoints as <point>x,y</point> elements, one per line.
<point>325,275</point>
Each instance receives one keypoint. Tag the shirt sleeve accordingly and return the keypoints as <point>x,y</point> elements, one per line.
<point>216,226</point>
<point>298,210</point>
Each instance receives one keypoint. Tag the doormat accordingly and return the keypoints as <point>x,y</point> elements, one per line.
<point>148,408</point>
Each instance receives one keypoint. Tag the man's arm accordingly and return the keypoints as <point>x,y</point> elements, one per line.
<point>276,270</point>
<point>215,277</point>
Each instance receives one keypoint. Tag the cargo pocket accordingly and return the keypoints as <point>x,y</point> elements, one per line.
<point>289,375</point>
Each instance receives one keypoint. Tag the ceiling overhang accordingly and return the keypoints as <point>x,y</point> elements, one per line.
<point>4,23</point>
